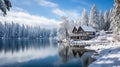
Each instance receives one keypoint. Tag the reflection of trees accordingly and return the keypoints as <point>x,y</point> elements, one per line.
<point>63,53</point>
<point>14,45</point>
<point>67,53</point>
<point>77,53</point>
<point>86,59</point>
<point>51,42</point>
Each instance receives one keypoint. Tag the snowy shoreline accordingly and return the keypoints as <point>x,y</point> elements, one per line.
<point>108,57</point>
<point>108,54</point>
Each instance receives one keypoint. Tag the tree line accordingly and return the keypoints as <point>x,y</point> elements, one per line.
<point>97,19</point>
<point>15,30</point>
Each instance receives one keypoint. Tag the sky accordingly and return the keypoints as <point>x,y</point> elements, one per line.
<point>50,11</point>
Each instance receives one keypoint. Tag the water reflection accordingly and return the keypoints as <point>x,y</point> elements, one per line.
<point>16,45</point>
<point>16,51</point>
<point>69,53</point>
<point>40,53</point>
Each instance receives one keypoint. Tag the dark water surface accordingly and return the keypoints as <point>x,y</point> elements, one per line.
<point>35,53</point>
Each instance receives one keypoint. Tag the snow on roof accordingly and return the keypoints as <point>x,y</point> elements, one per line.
<point>87,28</point>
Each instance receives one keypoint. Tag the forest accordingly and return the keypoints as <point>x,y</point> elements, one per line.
<point>15,30</point>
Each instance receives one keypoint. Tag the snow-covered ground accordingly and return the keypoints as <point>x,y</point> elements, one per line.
<point>109,53</point>
<point>109,57</point>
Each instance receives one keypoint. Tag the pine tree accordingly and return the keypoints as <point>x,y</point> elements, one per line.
<point>116,19</point>
<point>15,30</point>
<point>101,21</point>
<point>1,30</point>
<point>94,18</point>
<point>5,5</point>
<point>84,18</point>
<point>111,19</point>
<point>107,20</point>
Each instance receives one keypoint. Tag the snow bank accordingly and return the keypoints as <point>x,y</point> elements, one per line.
<point>108,58</point>
<point>109,53</point>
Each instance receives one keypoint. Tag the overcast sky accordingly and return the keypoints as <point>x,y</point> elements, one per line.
<point>49,12</point>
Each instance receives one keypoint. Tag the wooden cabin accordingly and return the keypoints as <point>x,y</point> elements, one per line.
<point>82,33</point>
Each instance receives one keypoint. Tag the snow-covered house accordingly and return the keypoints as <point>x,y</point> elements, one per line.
<point>82,32</point>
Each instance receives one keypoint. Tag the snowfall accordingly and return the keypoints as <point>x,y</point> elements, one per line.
<point>108,51</point>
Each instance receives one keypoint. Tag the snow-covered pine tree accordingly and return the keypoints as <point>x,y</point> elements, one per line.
<point>22,31</point>
<point>15,30</point>
<point>9,30</point>
<point>84,18</point>
<point>111,18</point>
<point>107,20</point>
<point>94,17</point>
<point>116,19</point>
<point>1,30</point>
<point>78,22</point>
<point>6,29</point>
<point>106,16</point>
<point>5,5</point>
<point>101,21</point>
<point>53,32</point>
<point>26,31</point>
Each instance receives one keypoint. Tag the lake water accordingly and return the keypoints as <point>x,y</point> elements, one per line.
<point>35,53</point>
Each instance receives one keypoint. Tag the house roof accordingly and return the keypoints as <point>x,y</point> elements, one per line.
<point>80,29</point>
<point>84,28</point>
<point>87,28</point>
<point>74,29</point>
